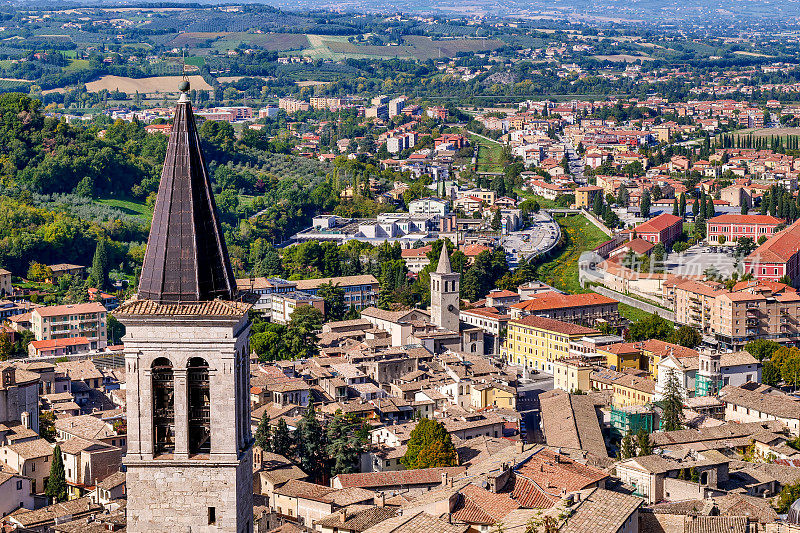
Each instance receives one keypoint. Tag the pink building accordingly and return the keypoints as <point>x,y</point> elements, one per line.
<point>664,228</point>
<point>733,227</point>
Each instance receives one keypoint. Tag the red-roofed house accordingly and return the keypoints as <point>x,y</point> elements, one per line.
<point>778,257</point>
<point>734,227</point>
<point>58,347</point>
<point>664,228</point>
<point>586,308</point>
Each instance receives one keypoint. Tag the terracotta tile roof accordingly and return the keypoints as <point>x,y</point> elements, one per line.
<point>556,326</point>
<point>357,521</point>
<point>422,476</point>
<point>531,495</point>
<point>472,250</point>
<point>407,253</point>
<point>620,348</point>
<point>32,448</point>
<point>554,472</point>
<point>570,421</point>
<point>779,248</point>
<point>601,510</point>
<point>763,399</point>
<point>58,343</point>
<point>658,224</point>
<point>417,523</point>
<point>79,370</point>
<point>58,310</point>
<point>662,348</point>
<point>744,219</point>
<point>552,301</point>
<point>715,524</point>
<point>638,246</point>
<point>641,384</point>
<point>479,506</point>
<point>364,279</point>
<point>212,308</point>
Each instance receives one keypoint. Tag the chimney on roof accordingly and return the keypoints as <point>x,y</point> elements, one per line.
<point>343,515</point>
<point>520,446</point>
<point>9,377</point>
<point>381,499</point>
<point>25,418</point>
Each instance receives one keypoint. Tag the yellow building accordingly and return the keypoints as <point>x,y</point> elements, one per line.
<point>623,355</point>
<point>653,350</point>
<point>536,342</point>
<point>633,390</point>
<point>572,375</point>
<point>485,395</point>
<point>584,196</point>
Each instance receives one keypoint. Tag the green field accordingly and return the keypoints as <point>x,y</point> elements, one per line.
<point>541,200</point>
<point>490,154</point>
<point>130,207</point>
<point>562,271</point>
<point>77,64</point>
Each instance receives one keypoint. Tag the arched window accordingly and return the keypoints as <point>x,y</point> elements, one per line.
<point>163,406</point>
<point>199,406</point>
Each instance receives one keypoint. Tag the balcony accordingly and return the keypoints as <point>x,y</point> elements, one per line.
<point>752,322</point>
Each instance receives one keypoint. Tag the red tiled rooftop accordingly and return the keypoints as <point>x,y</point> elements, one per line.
<point>658,224</point>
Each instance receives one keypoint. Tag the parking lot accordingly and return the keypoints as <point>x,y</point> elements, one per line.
<point>697,259</point>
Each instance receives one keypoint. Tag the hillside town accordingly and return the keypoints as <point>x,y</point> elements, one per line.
<point>347,271</point>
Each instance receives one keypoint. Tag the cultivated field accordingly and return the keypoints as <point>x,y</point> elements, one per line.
<point>156,84</point>
<point>276,42</point>
<point>619,58</point>
<point>414,46</point>
<point>770,132</point>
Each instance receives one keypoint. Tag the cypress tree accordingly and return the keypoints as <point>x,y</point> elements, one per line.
<point>57,480</point>
<point>281,441</point>
<point>675,210</point>
<point>263,434</point>
<point>311,445</point>
<point>682,211</point>
<point>672,404</point>
<point>100,264</point>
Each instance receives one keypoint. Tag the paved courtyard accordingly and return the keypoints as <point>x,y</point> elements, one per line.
<point>695,261</point>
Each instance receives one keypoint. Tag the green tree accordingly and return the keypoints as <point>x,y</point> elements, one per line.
<point>597,207</point>
<point>39,272</point>
<point>622,196</point>
<point>347,438</point>
<point>788,495</point>
<point>643,443</point>
<point>56,487</point>
<point>282,441</point>
<point>263,434</point>
<point>790,370</point>
<point>333,295</point>
<point>745,246</point>
<point>627,447</point>
<point>100,263</point>
<point>770,373</point>
<point>672,404</point>
<point>761,348</point>
<point>497,220</point>
<point>686,336</point>
<point>311,445</point>
<point>47,425</point>
<point>645,204</point>
<point>682,206</point>
<point>675,208</point>
<point>650,327</point>
<point>429,445</point>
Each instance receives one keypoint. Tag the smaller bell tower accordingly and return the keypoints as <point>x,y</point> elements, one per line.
<point>709,375</point>
<point>445,288</point>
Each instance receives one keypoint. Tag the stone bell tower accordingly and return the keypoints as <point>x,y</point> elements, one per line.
<point>189,460</point>
<point>445,294</point>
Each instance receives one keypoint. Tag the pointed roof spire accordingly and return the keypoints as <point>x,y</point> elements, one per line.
<point>186,258</point>
<point>444,262</point>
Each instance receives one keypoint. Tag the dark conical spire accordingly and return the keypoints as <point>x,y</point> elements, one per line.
<point>186,258</point>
